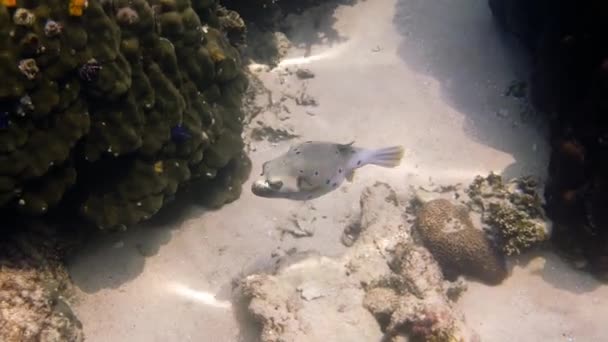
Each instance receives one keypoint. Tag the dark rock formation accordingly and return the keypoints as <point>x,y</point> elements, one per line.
<point>569,83</point>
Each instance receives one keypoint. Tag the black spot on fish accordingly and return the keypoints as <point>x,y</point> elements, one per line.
<point>309,197</point>
<point>358,162</point>
<point>316,173</point>
<point>339,170</point>
<point>301,171</point>
<point>298,152</point>
<point>327,181</point>
<point>334,185</point>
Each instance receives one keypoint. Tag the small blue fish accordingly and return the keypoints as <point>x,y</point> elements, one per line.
<point>4,120</point>
<point>180,133</point>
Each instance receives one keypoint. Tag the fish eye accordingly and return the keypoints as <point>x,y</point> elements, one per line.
<point>275,185</point>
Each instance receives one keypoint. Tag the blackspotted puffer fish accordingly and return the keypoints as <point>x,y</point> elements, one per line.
<point>314,168</point>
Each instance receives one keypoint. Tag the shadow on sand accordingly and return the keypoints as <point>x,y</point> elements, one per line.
<point>110,259</point>
<point>315,26</point>
<point>303,29</point>
<point>474,64</point>
<point>107,260</point>
<point>557,271</point>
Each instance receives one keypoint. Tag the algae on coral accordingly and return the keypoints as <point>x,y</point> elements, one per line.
<point>513,210</point>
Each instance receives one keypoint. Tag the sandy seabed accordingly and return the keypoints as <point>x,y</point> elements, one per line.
<point>429,75</point>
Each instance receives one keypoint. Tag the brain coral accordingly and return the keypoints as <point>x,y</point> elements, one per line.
<point>459,248</point>
<point>113,106</point>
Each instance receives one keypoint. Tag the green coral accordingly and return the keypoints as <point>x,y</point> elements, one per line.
<point>121,106</point>
<point>234,26</point>
<point>516,229</point>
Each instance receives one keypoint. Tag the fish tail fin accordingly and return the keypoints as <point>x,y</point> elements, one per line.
<point>386,157</point>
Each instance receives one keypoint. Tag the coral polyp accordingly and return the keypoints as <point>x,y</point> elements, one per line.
<point>24,17</point>
<point>90,70</point>
<point>127,16</point>
<point>52,28</point>
<point>77,7</point>
<point>29,68</point>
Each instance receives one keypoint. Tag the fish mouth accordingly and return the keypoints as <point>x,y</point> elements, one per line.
<point>262,188</point>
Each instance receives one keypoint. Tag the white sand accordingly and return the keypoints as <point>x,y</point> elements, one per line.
<point>429,75</point>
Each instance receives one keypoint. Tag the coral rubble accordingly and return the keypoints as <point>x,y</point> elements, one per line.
<point>569,83</point>
<point>383,287</point>
<point>35,289</point>
<point>110,107</point>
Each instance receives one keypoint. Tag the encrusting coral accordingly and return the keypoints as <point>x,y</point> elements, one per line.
<point>111,106</point>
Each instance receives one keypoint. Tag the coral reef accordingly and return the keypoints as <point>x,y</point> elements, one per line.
<point>415,301</point>
<point>35,288</point>
<point>109,107</point>
<point>569,83</point>
<point>234,26</point>
<point>470,230</point>
<point>383,287</point>
<point>461,249</point>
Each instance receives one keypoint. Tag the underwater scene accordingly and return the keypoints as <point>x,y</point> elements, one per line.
<point>303,170</point>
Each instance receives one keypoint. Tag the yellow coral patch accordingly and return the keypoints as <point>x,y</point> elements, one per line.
<point>9,3</point>
<point>217,55</point>
<point>77,7</point>
<point>158,166</point>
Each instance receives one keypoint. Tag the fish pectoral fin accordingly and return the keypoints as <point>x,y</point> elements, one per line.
<point>345,147</point>
<point>305,184</point>
<point>264,168</point>
<point>350,176</point>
